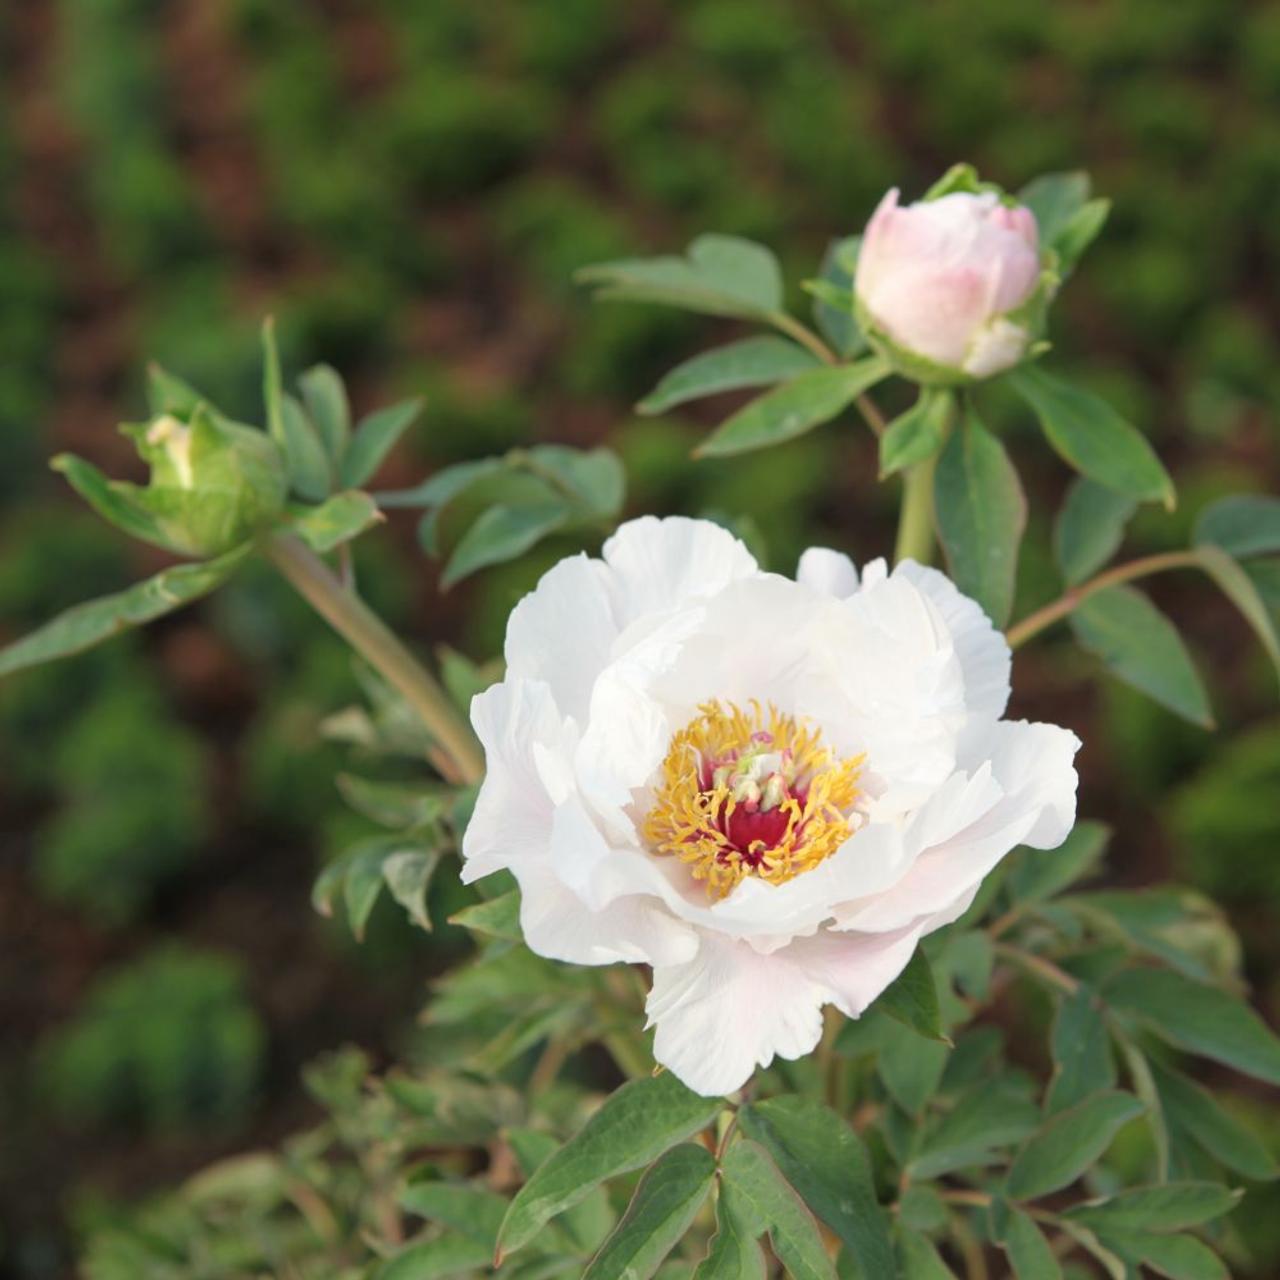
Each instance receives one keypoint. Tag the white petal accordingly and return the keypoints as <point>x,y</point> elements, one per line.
<point>562,632</point>
<point>854,968</point>
<point>661,564</point>
<point>827,571</point>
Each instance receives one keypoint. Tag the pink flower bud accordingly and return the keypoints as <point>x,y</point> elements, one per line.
<point>938,280</point>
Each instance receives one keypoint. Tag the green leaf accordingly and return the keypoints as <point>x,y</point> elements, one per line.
<point>1178,1257</point>
<point>444,486</point>
<point>1069,1143</point>
<point>1028,1251</point>
<point>920,1260</point>
<point>592,479</point>
<point>337,520</point>
<point>985,1119</point>
<point>833,303</point>
<point>918,433</point>
<point>1067,219</point>
<point>1197,1112</point>
<point>793,408</point>
<point>408,875</point>
<point>720,276</point>
<point>1039,874</point>
<point>167,393</point>
<point>1089,528</point>
<point>1140,646</point>
<point>750,362</point>
<point>770,1204</point>
<point>325,396</point>
<point>1198,1018</point>
<point>825,1161</point>
<point>636,1125</point>
<point>1243,525</point>
<point>1082,1059</point>
<point>374,438</point>
<point>1238,587</point>
<point>498,918</point>
<point>395,804</point>
<point>309,473</point>
<point>110,500</point>
<point>474,1211</point>
<point>1170,1206</point>
<point>1093,437</point>
<point>85,625</point>
<point>912,998</point>
<point>500,534</point>
<point>981,514</point>
<point>448,1255</point>
<point>733,1253</point>
<point>362,883</point>
<point>661,1211</point>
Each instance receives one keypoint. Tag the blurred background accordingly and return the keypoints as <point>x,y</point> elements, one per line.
<point>408,188</point>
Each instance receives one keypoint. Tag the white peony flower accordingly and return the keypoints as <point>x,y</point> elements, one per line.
<point>768,790</point>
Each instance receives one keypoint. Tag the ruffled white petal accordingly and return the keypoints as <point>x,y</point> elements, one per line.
<point>827,571</point>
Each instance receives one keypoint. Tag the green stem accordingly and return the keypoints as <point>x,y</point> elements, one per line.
<point>369,636</point>
<point>1071,600</point>
<point>915,524</point>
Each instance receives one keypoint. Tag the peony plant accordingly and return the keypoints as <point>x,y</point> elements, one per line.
<point>762,872</point>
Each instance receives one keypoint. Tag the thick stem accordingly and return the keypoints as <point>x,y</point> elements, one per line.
<point>369,636</point>
<point>915,524</point>
<point>1071,600</point>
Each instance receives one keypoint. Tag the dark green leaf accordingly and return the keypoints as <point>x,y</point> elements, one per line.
<point>1195,1111</point>
<point>981,514</point>
<point>1027,1249</point>
<point>473,1211</point>
<point>1170,1206</point>
<point>825,1161</point>
<point>374,438</point>
<point>309,473</point>
<point>1238,587</point>
<point>770,1204</point>
<point>1140,646</point>
<point>637,1124</point>
<point>325,397</point>
<point>448,1255</point>
<point>1041,874</point>
<point>1246,524</point>
<point>918,433</point>
<point>750,362</point>
<point>986,1119</point>
<point>793,408</point>
<point>1093,437</point>
<point>733,1253</point>
<point>395,804</point>
<point>920,1259</point>
<point>833,304</point>
<point>1081,1048</point>
<point>85,625</point>
<point>912,998</point>
<point>408,875</point>
<point>910,1066</point>
<point>1178,1257</point>
<point>592,479</point>
<point>499,917</point>
<point>500,534</point>
<point>1068,1143</point>
<point>1198,1018</point>
<point>337,520</point>
<point>661,1211</point>
<point>1089,528</point>
<point>720,276</point>
<point>444,486</point>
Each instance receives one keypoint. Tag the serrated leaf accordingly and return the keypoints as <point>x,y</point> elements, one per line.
<point>793,408</point>
<point>1170,1206</point>
<point>1199,1018</point>
<point>912,998</point>
<point>1028,1251</point>
<point>825,1161</point>
<point>1093,437</point>
<point>85,625</point>
<point>1197,1112</point>
<point>984,1120</point>
<point>325,398</point>
<point>1039,874</point>
<point>498,918</point>
<point>1243,525</point>
<point>500,534</point>
<point>1081,1048</point>
<point>833,311</point>
<point>771,1205</point>
<point>750,362</point>
<point>1068,1143</point>
<point>981,514</point>
<point>638,1123</point>
<point>374,438</point>
<point>918,433</point>
<point>1140,646</point>
<point>661,1211</point>
<point>1089,528</point>
<point>337,520</point>
<point>720,275</point>
<point>1238,587</point>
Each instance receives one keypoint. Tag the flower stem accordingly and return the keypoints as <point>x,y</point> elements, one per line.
<point>370,637</point>
<point>1071,600</point>
<point>915,524</point>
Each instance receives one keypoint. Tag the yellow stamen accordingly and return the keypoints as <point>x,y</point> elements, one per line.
<point>692,823</point>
